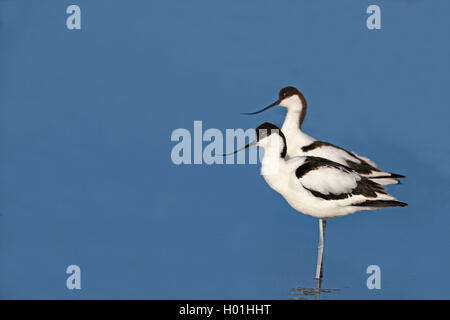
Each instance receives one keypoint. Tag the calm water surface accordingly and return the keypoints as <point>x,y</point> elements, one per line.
<point>86,172</point>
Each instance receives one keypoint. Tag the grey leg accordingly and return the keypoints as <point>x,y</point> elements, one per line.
<point>319,273</point>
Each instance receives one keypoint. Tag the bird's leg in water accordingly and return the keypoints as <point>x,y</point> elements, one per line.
<point>318,285</point>
<point>319,273</point>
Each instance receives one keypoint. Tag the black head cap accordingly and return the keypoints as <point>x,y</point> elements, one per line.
<point>287,92</point>
<point>266,129</point>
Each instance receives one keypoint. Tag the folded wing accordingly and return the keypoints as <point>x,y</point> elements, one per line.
<point>332,181</point>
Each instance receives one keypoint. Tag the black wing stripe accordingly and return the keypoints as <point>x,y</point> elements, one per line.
<point>329,196</point>
<point>364,187</point>
<point>314,145</point>
<point>314,163</point>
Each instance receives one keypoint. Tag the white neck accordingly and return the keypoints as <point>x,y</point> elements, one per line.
<point>272,159</point>
<point>270,165</point>
<point>292,130</point>
<point>292,121</point>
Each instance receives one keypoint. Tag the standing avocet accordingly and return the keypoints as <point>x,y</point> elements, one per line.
<point>316,186</point>
<point>301,144</point>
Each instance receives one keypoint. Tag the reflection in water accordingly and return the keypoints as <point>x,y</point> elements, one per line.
<point>317,290</point>
<point>301,293</point>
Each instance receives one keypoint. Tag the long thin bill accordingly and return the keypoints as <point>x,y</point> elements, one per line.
<point>234,152</point>
<point>262,110</point>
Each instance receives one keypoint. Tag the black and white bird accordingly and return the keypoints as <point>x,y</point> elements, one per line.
<point>316,186</point>
<point>301,144</point>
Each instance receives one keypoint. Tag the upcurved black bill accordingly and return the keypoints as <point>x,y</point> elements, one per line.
<point>234,152</point>
<point>268,107</point>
